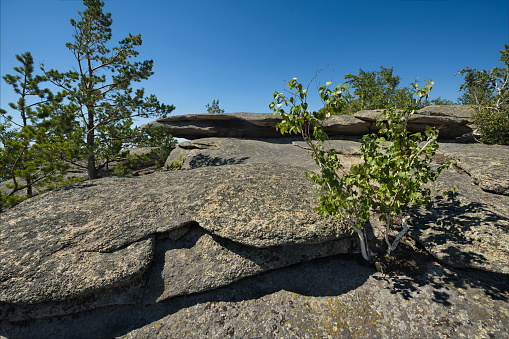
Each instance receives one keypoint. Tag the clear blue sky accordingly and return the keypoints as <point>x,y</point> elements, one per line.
<point>239,51</point>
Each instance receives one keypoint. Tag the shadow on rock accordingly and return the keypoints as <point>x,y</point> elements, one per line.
<point>464,235</point>
<point>202,160</point>
<point>117,312</point>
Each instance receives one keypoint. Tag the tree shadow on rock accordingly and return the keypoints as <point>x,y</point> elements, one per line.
<point>452,230</point>
<point>202,160</point>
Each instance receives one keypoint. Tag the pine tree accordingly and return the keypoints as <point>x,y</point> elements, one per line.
<point>100,92</point>
<point>32,153</point>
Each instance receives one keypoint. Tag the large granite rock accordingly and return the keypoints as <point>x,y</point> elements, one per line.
<point>331,297</point>
<point>449,127</point>
<point>457,111</point>
<point>282,151</point>
<point>99,235</point>
<point>450,122</point>
<point>467,228</point>
<point>487,165</point>
<point>231,247</point>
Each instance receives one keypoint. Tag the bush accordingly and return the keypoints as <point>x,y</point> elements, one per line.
<point>488,91</point>
<point>395,170</point>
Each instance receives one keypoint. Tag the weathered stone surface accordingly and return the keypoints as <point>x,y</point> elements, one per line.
<point>79,226</point>
<point>469,228</point>
<point>229,151</point>
<point>205,252</point>
<point>331,297</point>
<point>234,125</point>
<point>487,164</point>
<point>213,261</point>
<point>249,125</point>
<point>345,125</point>
<point>341,299</point>
<point>450,122</point>
<point>457,111</point>
<point>449,127</point>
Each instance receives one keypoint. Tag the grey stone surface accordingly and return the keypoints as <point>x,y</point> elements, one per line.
<point>223,249</point>
<point>450,123</point>
<point>360,305</point>
<point>330,297</point>
<point>214,262</point>
<point>449,127</point>
<point>230,151</point>
<point>458,111</point>
<point>469,228</point>
<point>234,125</point>
<point>51,245</point>
<point>487,164</point>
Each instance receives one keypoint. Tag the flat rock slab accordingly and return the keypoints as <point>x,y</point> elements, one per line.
<point>248,125</point>
<point>330,297</point>
<point>487,164</point>
<point>451,123</point>
<point>469,228</point>
<point>449,127</point>
<point>382,307</point>
<point>52,246</point>
<point>457,111</point>
<point>229,151</point>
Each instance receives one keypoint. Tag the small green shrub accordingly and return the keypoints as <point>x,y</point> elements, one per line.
<point>488,91</point>
<point>492,125</point>
<point>395,170</point>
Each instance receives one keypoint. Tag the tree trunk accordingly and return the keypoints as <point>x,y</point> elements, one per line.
<point>91,168</point>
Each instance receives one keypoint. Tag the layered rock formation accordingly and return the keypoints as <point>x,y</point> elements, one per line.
<point>451,121</point>
<point>230,246</point>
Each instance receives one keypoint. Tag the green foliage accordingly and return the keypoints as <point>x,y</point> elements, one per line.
<point>150,136</point>
<point>33,149</point>
<point>100,96</point>
<point>396,164</point>
<point>214,107</point>
<point>378,90</point>
<point>489,92</point>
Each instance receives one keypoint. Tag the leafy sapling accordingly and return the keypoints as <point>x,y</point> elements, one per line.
<point>393,175</point>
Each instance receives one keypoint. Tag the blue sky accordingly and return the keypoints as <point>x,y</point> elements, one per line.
<point>240,52</point>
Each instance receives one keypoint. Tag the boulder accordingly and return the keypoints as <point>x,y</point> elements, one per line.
<point>230,246</point>
<point>82,239</point>
<point>452,122</point>
<point>234,125</point>
<point>457,111</point>
<point>449,127</point>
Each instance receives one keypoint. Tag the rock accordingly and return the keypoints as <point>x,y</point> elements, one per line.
<point>231,247</point>
<point>486,164</point>
<point>235,125</point>
<point>339,299</point>
<point>468,228</point>
<point>230,151</point>
<point>330,297</point>
<point>345,125</point>
<point>449,127</point>
<point>457,111</point>
<point>213,262</point>
<point>53,245</point>
<point>263,125</point>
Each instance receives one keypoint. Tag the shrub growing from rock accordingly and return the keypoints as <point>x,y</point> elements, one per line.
<point>395,170</point>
